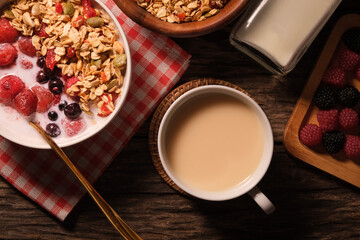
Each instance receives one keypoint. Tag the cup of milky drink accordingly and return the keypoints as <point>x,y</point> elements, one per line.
<point>216,143</point>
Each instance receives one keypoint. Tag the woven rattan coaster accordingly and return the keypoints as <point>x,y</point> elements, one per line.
<point>160,112</point>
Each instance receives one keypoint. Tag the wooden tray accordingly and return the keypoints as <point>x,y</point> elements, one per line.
<point>305,112</point>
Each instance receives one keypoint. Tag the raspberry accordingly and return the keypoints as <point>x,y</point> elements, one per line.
<point>333,141</point>
<point>50,59</point>
<point>45,98</point>
<point>10,86</point>
<point>42,32</point>
<point>8,33</point>
<point>56,100</point>
<point>348,59</point>
<point>335,77</point>
<point>324,98</point>
<point>328,119</point>
<point>352,146</point>
<point>357,73</point>
<point>72,127</point>
<point>351,39</point>
<point>348,96</point>
<point>25,102</point>
<point>8,54</point>
<point>310,135</point>
<point>26,46</point>
<point>348,119</point>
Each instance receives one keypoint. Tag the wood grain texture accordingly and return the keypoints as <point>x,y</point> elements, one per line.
<point>190,29</point>
<point>311,204</point>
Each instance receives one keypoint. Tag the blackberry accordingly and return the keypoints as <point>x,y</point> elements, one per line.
<point>333,141</point>
<point>348,96</point>
<point>351,39</point>
<point>324,98</point>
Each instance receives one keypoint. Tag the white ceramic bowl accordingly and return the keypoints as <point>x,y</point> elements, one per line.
<point>34,140</point>
<point>247,186</point>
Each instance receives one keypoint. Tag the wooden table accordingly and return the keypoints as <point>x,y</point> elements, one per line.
<point>310,203</point>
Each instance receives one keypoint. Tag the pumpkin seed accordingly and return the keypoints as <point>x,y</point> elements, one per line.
<point>68,9</point>
<point>96,63</point>
<point>95,22</point>
<point>119,60</point>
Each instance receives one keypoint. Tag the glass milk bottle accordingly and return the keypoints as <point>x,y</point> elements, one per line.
<point>276,33</point>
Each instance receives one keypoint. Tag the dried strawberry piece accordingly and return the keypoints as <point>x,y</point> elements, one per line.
<point>45,98</point>
<point>73,127</point>
<point>10,86</point>
<point>70,52</point>
<point>71,81</point>
<point>108,106</point>
<point>25,102</point>
<point>26,46</point>
<point>181,16</point>
<point>8,54</point>
<point>78,22</point>
<point>42,32</point>
<point>50,59</point>
<point>8,33</point>
<point>58,8</point>
<point>26,64</point>
<point>87,9</point>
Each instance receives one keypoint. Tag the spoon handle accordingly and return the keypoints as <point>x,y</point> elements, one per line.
<point>110,213</point>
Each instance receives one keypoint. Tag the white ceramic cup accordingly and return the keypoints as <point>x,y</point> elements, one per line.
<point>248,185</point>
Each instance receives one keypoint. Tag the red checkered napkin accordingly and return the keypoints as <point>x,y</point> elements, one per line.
<point>158,64</point>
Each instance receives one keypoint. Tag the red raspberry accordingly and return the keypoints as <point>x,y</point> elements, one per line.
<point>348,119</point>
<point>335,77</point>
<point>26,46</point>
<point>87,9</point>
<point>50,59</point>
<point>25,102</point>
<point>352,146</point>
<point>10,86</point>
<point>70,52</point>
<point>348,59</point>
<point>26,64</point>
<point>45,98</point>
<point>328,119</point>
<point>8,54</point>
<point>8,33</point>
<point>310,135</point>
<point>42,32</point>
<point>56,100</point>
<point>58,8</point>
<point>357,74</point>
<point>72,127</point>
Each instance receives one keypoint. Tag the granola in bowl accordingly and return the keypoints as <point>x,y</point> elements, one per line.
<point>178,11</point>
<point>77,73</point>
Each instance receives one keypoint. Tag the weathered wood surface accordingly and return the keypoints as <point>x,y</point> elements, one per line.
<point>310,203</point>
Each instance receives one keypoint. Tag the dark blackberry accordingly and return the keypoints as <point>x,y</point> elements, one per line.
<point>333,141</point>
<point>53,130</point>
<point>324,98</point>
<point>348,96</point>
<point>351,39</point>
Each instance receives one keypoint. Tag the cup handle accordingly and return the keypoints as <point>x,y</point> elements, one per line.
<point>263,202</point>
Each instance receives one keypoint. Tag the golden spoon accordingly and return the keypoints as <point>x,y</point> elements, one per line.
<point>110,213</point>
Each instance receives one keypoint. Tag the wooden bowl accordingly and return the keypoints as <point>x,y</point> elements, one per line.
<point>182,30</point>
